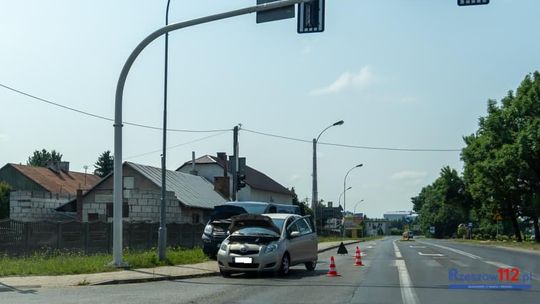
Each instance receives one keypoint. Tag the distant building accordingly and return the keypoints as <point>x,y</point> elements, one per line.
<point>259,186</point>
<point>400,215</point>
<point>376,227</point>
<point>189,199</point>
<point>37,191</point>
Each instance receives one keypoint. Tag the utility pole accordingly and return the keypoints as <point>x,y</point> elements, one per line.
<point>314,194</point>
<point>235,164</point>
<point>118,125</point>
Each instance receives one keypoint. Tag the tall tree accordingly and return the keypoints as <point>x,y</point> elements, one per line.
<point>444,204</point>
<point>502,159</point>
<point>43,157</point>
<point>104,164</point>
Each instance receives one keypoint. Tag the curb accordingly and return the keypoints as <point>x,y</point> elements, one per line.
<point>188,276</point>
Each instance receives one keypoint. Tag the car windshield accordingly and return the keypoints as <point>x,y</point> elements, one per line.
<point>278,222</point>
<point>255,231</point>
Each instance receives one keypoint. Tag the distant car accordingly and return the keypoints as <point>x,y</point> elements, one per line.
<point>268,242</point>
<point>216,230</point>
<point>411,234</point>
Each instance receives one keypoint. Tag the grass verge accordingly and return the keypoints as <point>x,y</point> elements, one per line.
<point>62,263</point>
<point>510,244</point>
<point>324,239</point>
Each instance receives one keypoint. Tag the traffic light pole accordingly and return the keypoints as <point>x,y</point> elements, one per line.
<point>235,164</point>
<point>118,178</point>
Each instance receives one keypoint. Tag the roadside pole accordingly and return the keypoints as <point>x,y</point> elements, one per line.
<point>118,178</point>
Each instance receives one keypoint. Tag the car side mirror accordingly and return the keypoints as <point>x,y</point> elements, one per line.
<point>294,234</point>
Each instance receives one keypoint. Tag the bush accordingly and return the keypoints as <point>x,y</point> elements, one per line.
<point>396,231</point>
<point>461,231</point>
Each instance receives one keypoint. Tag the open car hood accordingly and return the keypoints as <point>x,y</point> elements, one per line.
<point>252,220</point>
<point>222,212</point>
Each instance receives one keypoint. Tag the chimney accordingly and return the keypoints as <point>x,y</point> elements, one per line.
<point>54,166</point>
<point>64,166</point>
<point>193,171</point>
<point>329,204</point>
<point>222,156</point>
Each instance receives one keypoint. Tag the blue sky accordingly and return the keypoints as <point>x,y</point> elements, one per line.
<point>408,74</point>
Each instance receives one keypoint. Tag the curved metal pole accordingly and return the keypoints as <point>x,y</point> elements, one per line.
<point>117,181</point>
<point>314,187</point>
<point>345,195</point>
<point>162,234</point>
<point>341,194</point>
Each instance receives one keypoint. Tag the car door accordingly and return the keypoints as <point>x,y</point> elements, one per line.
<point>308,241</point>
<point>294,244</point>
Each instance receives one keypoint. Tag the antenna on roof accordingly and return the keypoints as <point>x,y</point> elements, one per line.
<point>85,168</point>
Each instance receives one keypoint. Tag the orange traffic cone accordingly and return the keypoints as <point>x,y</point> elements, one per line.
<point>332,269</point>
<point>358,257</point>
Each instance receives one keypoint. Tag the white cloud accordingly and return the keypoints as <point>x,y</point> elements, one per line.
<point>3,137</point>
<point>361,79</point>
<point>409,175</point>
<point>306,50</point>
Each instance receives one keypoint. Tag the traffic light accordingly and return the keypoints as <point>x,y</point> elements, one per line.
<point>472,2</point>
<point>311,17</point>
<point>241,181</point>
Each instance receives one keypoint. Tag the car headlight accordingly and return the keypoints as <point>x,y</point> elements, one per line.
<point>208,229</point>
<point>224,246</point>
<point>271,247</point>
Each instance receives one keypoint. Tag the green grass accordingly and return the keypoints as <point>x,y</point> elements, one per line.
<point>511,244</point>
<point>63,263</point>
<point>324,239</point>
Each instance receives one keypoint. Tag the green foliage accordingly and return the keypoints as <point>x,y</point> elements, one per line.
<point>461,231</point>
<point>41,158</point>
<point>4,200</point>
<point>502,159</point>
<point>444,204</point>
<point>61,263</point>
<point>104,164</point>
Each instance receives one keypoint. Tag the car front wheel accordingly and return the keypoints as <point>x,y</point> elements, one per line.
<point>285,264</point>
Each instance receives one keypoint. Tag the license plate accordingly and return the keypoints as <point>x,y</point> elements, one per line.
<point>243,260</point>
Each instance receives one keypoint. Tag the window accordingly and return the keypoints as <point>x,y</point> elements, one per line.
<point>303,227</point>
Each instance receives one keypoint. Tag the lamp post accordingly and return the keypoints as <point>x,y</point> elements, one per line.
<point>162,234</point>
<point>314,197</point>
<point>339,200</point>
<point>354,210</point>
<point>344,190</point>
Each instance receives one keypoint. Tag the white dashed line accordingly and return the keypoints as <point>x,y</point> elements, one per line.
<point>408,296</point>
<point>470,255</point>
<point>431,254</point>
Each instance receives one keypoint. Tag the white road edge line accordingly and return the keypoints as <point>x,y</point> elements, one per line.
<point>408,296</point>
<point>396,251</point>
<point>431,254</point>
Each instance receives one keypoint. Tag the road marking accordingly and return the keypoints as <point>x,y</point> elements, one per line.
<point>470,255</point>
<point>497,264</point>
<point>417,246</point>
<point>408,296</point>
<point>396,251</point>
<point>431,254</point>
<point>432,263</point>
<point>369,247</point>
<point>459,263</point>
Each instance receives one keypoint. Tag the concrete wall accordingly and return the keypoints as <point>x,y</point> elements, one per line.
<point>29,206</point>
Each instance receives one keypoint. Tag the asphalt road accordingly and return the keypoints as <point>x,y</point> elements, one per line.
<point>394,272</point>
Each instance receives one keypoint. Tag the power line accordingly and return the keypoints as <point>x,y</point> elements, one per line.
<point>176,146</point>
<point>353,146</point>
<point>107,118</point>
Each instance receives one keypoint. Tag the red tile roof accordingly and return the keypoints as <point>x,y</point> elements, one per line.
<point>61,182</point>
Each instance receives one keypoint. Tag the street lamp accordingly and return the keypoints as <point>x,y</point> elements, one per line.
<point>344,190</point>
<point>354,210</point>
<point>339,200</point>
<point>314,197</point>
<point>162,234</point>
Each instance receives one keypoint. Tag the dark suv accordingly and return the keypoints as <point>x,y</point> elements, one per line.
<point>216,230</point>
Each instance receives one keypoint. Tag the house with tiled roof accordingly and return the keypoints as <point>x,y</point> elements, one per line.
<point>37,191</point>
<point>189,198</point>
<point>259,186</point>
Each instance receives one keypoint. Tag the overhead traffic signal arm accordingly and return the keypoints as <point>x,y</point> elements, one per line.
<point>472,2</point>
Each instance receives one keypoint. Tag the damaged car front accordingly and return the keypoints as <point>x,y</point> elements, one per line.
<point>254,244</point>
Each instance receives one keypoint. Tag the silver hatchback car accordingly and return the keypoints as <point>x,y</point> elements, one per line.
<point>267,242</point>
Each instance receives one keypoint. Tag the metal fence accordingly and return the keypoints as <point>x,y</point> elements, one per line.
<point>25,238</point>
